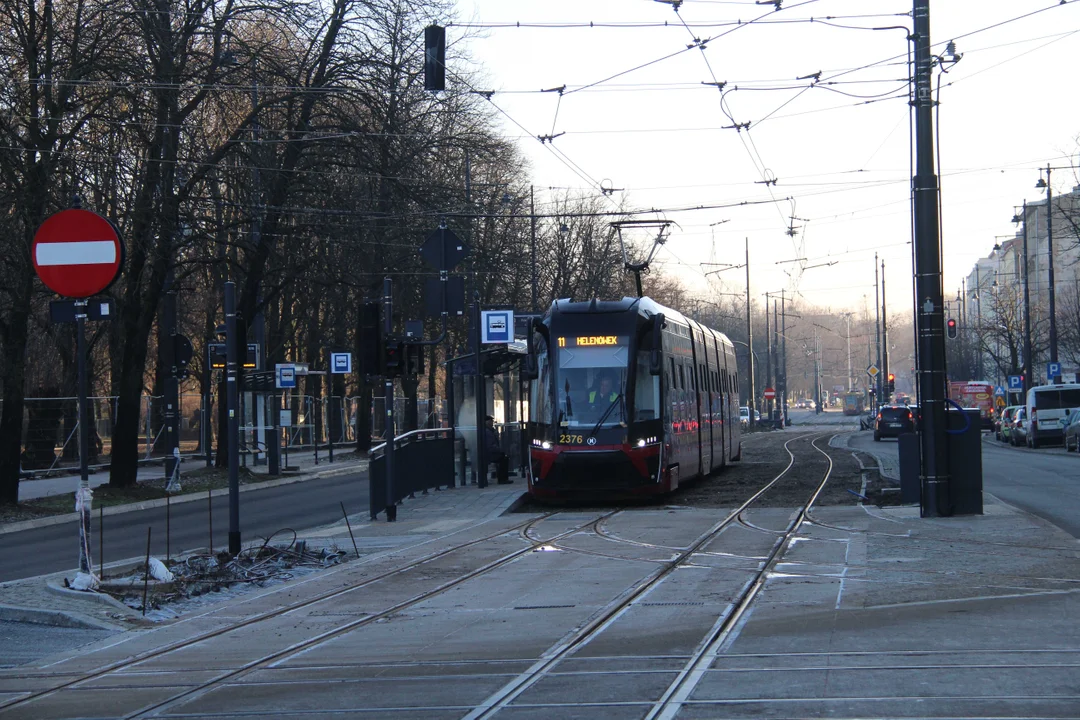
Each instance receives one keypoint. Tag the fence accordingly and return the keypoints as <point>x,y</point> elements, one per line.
<point>50,438</point>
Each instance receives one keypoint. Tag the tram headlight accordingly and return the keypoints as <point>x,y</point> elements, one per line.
<point>641,443</point>
<point>545,445</point>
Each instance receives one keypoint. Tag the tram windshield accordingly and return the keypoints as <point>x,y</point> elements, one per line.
<point>590,385</point>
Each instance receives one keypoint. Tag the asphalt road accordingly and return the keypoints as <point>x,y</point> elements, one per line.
<point>1045,482</point>
<point>55,548</point>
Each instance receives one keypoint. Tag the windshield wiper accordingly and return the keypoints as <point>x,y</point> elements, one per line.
<point>618,398</point>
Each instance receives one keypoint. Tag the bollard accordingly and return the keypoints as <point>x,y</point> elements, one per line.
<point>210,517</point>
<point>168,531</point>
<point>101,541</point>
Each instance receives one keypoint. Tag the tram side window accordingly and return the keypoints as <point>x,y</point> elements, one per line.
<point>646,390</point>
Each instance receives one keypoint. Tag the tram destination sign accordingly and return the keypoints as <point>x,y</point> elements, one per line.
<point>593,340</point>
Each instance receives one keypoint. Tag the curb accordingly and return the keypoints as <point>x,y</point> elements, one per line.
<point>184,498</point>
<point>54,618</point>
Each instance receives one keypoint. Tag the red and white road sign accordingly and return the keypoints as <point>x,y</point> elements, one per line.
<point>76,253</point>
<point>769,394</point>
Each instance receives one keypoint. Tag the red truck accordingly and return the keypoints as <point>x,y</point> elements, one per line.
<point>975,394</point>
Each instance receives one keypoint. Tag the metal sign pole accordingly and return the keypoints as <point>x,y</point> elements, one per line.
<point>82,499</point>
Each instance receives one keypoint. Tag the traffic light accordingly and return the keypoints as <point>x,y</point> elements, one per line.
<point>393,357</point>
<point>952,328</point>
<point>370,339</point>
<point>434,58</point>
<point>891,387</point>
<point>414,359</point>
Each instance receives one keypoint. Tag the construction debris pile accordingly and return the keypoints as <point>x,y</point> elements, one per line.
<point>157,586</point>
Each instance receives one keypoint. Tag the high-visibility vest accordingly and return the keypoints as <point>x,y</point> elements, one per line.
<point>593,394</point>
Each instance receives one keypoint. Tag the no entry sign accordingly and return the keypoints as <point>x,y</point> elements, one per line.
<point>76,253</point>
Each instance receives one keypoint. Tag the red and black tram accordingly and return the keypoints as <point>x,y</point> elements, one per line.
<point>629,398</point>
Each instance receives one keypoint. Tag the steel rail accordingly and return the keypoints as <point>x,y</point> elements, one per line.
<point>607,615</point>
<point>201,689</point>
<point>262,617</point>
<point>684,684</point>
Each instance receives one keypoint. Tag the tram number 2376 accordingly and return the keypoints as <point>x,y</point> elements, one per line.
<point>571,439</point>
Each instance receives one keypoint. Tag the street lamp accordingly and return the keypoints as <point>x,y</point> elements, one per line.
<point>1050,265</point>
<point>1027,303</point>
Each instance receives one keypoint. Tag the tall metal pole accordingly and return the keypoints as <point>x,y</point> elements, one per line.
<point>256,237</point>
<point>877,328</point>
<point>847,332</point>
<point>172,388</point>
<point>978,324</point>
<point>82,500</point>
<point>532,218</point>
<point>749,337</point>
<point>388,404</point>
<point>768,360</point>
<point>783,337</point>
<point>1028,367</point>
<point>479,468</point>
<point>232,405</point>
<point>884,327</point>
<point>776,361</point>
<point>1050,274</point>
<point>934,459</point>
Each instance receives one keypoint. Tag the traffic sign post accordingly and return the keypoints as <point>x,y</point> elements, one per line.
<point>1016,383</point>
<point>873,371</point>
<point>77,253</point>
<point>1053,371</point>
<point>769,394</point>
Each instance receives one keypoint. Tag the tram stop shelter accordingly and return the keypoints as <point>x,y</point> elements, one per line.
<point>503,396</point>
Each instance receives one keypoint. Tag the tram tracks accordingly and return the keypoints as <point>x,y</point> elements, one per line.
<point>523,528</point>
<point>687,678</point>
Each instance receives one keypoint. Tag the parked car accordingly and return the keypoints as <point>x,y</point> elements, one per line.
<point>744,416</point>
<point>1071,432</point>
<point>893,421</point>
<point>1018,429</point>
<point>1047,405</point>
<point>1004,423</point>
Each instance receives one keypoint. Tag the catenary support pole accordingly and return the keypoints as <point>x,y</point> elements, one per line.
<point>877,329</point>
<point>783,340</point>
<point>1050,274</point>
<point>750,402</point>
<point>1028,365</point>
<point>934,467</point>
<point>885,328</point>
<point>768,361</point>
<point>232,400</point>
<point>172,388</point>
<point>388,404</point>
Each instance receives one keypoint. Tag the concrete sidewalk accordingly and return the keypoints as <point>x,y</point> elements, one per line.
<point>299,463</point>
<point>421,521</point>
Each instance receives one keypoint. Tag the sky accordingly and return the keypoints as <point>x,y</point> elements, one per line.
<point>642,114</point>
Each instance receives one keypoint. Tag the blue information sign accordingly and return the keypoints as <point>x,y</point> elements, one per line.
<point>1016,382</point>
<point>1053,370</point>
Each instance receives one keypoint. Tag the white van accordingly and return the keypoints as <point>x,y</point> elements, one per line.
<point>1047,406</point>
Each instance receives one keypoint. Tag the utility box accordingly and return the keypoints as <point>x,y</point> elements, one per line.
<point>910,489</point>
<point>964,440</point>
<point>964,443</point>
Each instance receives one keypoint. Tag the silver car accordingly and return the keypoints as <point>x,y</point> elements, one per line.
<point>1071,431</point>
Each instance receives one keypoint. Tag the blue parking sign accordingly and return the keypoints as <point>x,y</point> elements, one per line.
<point>1053,370</point>
<point>1016,382</point>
